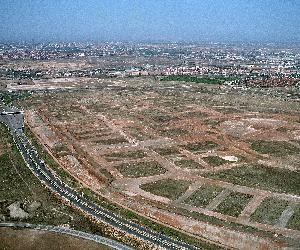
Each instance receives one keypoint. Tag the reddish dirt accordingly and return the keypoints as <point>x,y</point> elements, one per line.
<point>85,131</point>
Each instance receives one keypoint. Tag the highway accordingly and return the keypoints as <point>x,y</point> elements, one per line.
<point>96,238</point>
<point>42,172</point>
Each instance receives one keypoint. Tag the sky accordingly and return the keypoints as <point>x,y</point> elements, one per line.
<point>150,20</point>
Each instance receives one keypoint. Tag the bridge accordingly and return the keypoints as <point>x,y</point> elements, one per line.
<point>13,117</point>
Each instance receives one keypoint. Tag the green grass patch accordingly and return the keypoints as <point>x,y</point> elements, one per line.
<point>294,222</point>
<point>167,151</point>
<point>188,164</point>
<point>125,155</point>
<point>111,141</point>
<point>276,148</point>
<point>140,169</point>
<point>234,204</point>
<point>173,132</point>
<point>212,122</point>
<point>110,178</point>
<point>269,211</point>
<point>259,176</point>
<point>214,160</point>
<point>203,196</point>
<point>200,146</point>
<point>61,150</point>
<point>206,80</point>
<point>11,98</point>
<point>169,188</point>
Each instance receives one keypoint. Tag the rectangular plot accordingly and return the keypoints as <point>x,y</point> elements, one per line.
<point>167,151</point>
<point>276,148</point>
<point>110,141</point>
<point>234,204</point>
<point>117,156</point>
<point>203,196</point>
<point>260,176</point>
<point>214,160</point>
<point>140,169</point>
<point>269,211</point>
<point>169,188</point>
<point>190,164</point>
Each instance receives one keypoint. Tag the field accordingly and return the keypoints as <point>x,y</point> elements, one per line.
<point>181,151</point>
<point>39,240</point>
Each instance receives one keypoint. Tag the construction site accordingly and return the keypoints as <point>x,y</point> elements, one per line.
<point>211,162</point>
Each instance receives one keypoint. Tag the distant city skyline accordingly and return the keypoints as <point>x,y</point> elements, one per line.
<point>150,20</point>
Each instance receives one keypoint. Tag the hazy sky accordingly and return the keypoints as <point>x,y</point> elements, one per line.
<point>136,20</point>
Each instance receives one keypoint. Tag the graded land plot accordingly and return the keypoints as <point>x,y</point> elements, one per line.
<point>61,150</point>
<point>204,195</point>
<point>117,156</point>
<point>233,204</point>
<point>269,211</point>
<point>123,122</point>
<point>276,148</point>
<point>167,151</point>
<point>173,132</point>
<point>214,160</point>
<point>186,163</point>
<point>260,176</point>
<point>139,169</point>
<point>110,141</point>
<point>168,188</point>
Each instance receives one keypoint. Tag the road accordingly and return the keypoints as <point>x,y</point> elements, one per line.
<point>42,172</point>
<point>72,232</point>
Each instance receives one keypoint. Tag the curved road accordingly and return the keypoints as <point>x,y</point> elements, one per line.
<point>39,168</point>
<point>68,231</point>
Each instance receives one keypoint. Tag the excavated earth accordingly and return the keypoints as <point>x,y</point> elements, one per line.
<point>153,147</point>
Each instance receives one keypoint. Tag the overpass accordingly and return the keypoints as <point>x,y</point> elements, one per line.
<point>13,117</point>
<point>12,112</point>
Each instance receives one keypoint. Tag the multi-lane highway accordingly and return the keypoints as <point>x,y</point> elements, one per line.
<point>40,169</point>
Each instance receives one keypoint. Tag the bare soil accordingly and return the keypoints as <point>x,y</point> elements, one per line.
<point>25,239</point>
<point>150,117</point>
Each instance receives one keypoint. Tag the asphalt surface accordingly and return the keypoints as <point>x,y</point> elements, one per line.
<point>68,231</point>
<point>40,169</point>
